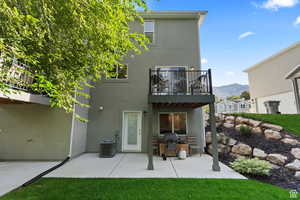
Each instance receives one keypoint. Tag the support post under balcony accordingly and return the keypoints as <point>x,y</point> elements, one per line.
<point>215,153</point>
<point>150,135</point>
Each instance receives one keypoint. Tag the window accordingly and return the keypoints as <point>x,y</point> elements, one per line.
<point>172,123</point>
<point>149,30</point>
<point>118,72</point>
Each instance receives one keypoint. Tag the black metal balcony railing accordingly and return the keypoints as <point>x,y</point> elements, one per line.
<point>179,82</point>
<point>17,76</point>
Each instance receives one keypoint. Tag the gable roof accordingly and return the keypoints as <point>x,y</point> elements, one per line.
<point>295,45</point>
<point>291,74</point>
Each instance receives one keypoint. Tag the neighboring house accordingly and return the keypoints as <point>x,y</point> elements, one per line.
<point>160,91</point>
<point>276,78</point>
<point>236,106</point>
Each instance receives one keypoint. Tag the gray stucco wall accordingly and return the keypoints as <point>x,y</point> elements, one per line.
<point>176,44</point>
<point>33,132</point>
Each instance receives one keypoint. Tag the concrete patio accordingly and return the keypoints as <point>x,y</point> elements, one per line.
<point>14,174</point>
<point>133,165</point>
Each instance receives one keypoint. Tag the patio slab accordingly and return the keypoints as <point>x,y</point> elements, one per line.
<point>15,174</point>
<point>133,165</point>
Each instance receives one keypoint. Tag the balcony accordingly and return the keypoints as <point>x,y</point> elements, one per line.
<point>18,78</point>
<point>180,86</point>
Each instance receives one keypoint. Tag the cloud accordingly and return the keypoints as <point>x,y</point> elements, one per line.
<point>204,60</point>
<point>276,4</point>
<point>297,21</point>
<point>246,34</point>
<point>230,73</point>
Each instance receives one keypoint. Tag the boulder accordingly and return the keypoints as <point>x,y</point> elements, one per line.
<point>297,175</point>
<point>208,138</point>
<point>271,134</point>
<point>242,149</point>
<point>222,138</point>
<point>272,127</point>
<point>238,127</point>
<point>277,159</point>
<point>296,152</point>
<point>254,123</point>
<point>290,141</point>
<point>259,153</point>
<point>227,125</point>
<point>275,166</point>
<point>236,155</point>
<point>295,165</point>
<point>230,118</point>
<point>231,142</point>
<point>221,149</point>
<point>241,120</point>
<point>257,131</point>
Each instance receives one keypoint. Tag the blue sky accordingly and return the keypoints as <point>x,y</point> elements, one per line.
<point>239,33</point>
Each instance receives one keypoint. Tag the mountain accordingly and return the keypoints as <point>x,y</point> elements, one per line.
<point>230,90</point>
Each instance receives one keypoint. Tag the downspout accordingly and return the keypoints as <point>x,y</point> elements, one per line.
<point>297,95</point>
<point>72,129</point>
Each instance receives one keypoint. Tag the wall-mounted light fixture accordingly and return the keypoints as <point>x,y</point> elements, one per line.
<point>101,108</point>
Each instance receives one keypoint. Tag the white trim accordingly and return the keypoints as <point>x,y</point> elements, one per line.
<point>291,73</point>
<point>139,145</point>
<point>72,128</point>
<point>153,31</point>
<point>175,112</point>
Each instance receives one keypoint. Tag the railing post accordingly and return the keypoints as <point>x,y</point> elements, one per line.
<point>210,82</point>
<point>150,82</point>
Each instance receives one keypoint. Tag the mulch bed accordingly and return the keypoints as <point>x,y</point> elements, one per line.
<point>282,176</point>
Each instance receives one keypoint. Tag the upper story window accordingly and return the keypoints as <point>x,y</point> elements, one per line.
<point>118,72</point>
<point>149,30</point>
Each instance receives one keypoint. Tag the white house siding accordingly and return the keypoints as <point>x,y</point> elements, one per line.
<point>287,103</point>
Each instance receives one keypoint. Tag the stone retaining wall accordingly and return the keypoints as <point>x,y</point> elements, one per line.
<point>227,145</point>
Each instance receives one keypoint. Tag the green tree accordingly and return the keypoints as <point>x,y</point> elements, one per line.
<point>66,43</point>
<point>245,95</point>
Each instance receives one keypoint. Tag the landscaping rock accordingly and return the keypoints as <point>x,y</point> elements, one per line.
<point>290,141</point>
<point>295,165</point>
<point>271,134</point>
<point>222,138</point>
<point>208,138</point>
<point>257,131</point>
<point>259,153</point>
<point>277,159</point>
<point>254,123</point>
<point>272,126</point>
<point>242,149</point>
<point>221,149</point>
<point>241,120</point>
<point>227,125</point>
<point>231,142</point>
<point>238,127</point>
<point>275,166</point>
<point>230,118</point>
<point>296,152</point>
<point>236,155</point>
<point>297,175</point>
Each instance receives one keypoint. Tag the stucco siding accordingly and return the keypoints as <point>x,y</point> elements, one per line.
<point>287,103</point>
<point>33,132</point>
<point>176,44</point>
<point>268,78</point>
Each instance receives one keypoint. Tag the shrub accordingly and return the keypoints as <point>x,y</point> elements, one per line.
<point>245,130</point>
<point>251,166</point>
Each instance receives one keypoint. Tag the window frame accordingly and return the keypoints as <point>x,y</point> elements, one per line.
<point>186,121</point>
<point>117,72</point>
<point>154,28</point>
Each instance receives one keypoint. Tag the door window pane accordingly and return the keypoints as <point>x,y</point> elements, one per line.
<point>165,121</point>
<point>132,128</point>
<point>179,123</point>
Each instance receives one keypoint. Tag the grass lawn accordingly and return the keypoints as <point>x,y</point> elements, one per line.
<point>156,189</point>
<point>290,122</point>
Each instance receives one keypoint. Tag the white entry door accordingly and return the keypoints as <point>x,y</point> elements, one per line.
<point>132,131</point>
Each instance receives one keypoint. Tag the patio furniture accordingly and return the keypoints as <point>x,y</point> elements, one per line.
<point>155,145</point>
<point>194,147</point>
<point>172,153</point>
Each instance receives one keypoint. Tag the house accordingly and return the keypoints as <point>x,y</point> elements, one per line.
<point>160,91</point>
<point>236,106</point>
<point>276,78</point>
